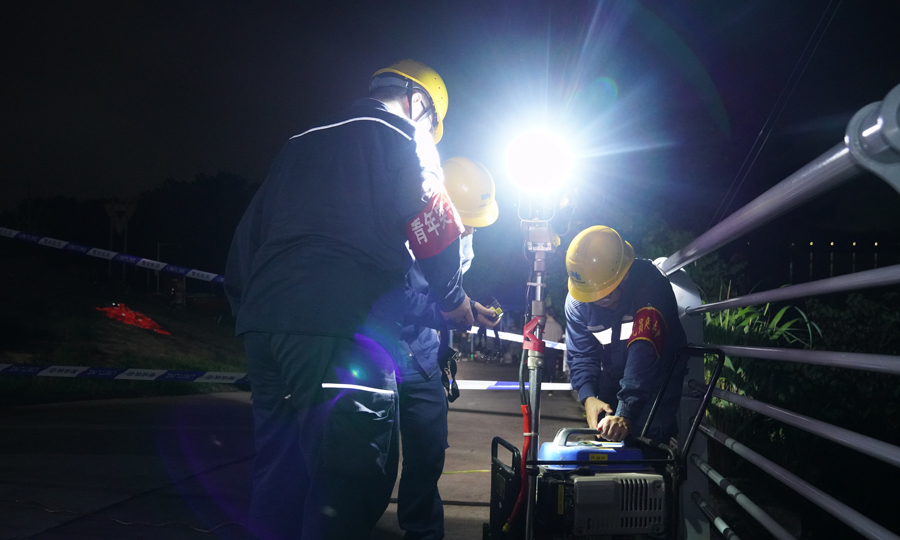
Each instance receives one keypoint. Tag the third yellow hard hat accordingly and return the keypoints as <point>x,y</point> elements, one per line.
<point>597,261</point>
<point>471,188</point>
<point>430,81</point>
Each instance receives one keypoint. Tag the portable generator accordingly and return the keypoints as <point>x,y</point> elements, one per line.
<point>585,489</point>
<point>594,490</point>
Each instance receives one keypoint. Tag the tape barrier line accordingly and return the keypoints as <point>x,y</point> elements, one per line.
<point>220,377</point>
<point>112,256</point>
<point>507,385</point>
<point>506,336</point>
<point>175,269</point>
<point>125,374</point>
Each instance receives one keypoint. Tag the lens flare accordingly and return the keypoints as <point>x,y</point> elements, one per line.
<point>538,160</point>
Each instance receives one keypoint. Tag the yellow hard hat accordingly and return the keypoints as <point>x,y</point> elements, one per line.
<point>597,261</point>
<point>429,80</point>
<point>471,188</point>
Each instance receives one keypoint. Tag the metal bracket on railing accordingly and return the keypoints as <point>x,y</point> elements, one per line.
<point>707,396</point>
<point>691,350</point>
<point>873,137</point>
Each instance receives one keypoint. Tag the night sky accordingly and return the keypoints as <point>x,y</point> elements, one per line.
<point>661,100</point>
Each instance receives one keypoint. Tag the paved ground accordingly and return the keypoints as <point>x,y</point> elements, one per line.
<point>177,468</point>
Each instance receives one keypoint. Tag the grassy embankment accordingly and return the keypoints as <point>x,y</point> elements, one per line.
<point>49,316</point>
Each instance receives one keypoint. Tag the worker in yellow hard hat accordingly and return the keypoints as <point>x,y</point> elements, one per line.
<point>471,188</point>
<point>424,392</point>
<point>316,277</point>
<point>424,91</point>
<point>622,334</point>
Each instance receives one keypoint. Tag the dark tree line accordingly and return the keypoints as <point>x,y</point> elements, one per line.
<point>191,223</point>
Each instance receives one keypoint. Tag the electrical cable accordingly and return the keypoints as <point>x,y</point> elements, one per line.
<point>779,106</point>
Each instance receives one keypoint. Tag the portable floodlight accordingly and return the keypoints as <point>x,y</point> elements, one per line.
<point>538,161</point>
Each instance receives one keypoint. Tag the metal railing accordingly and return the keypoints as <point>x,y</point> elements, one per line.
<point>871,143</point>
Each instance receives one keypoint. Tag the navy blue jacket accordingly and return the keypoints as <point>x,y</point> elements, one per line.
<point>322,247</point>
<point>616,371</point>
<point>419,338</point>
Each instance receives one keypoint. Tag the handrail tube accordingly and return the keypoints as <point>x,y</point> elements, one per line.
<point>743,501</point>
<point>889,275</point>
<point>714,517</point>
<point>878,363</point>
<point>823,174</point>
<point>849,516</point>
<point>871,142</point>
<point>887,453</point>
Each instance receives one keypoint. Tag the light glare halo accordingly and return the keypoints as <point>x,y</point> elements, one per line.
<point>538,160</point>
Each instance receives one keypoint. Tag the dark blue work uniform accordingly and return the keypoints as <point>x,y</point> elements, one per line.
<point>626,369</point>
<point>316,277</point>
<point>423,417</point>
<point>423,409</point>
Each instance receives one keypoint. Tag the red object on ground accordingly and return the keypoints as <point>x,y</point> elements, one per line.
<point>121,312</point>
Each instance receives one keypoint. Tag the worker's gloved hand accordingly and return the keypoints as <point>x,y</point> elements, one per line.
<point>487,317</point>
<point>461,317</point>
<point>614,428</point>
<point>592,409</point>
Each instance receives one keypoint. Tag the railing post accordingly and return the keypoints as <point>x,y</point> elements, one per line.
<point>873,137</point>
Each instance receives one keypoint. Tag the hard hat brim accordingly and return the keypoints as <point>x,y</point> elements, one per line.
<point>587,297</point>
<point>592,296</point>
<point>483,219</point>
<point>438,131</point>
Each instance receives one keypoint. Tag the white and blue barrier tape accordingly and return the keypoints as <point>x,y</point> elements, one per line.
<point>112,255</point>
<point>221,377</point>
<point>508,385</point>
<point>124,374</point>
<point>175,269</point>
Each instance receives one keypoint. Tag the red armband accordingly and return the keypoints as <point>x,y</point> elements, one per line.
<point>649,325</point>
<point>435,227</point>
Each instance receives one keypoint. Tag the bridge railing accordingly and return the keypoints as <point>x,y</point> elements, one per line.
<point>871,143</point>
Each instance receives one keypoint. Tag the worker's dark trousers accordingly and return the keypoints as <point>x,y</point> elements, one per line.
<point>326,435</point>
<point>423,436</point>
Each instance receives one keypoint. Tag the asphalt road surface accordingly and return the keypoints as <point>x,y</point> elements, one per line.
<point>179,467</point>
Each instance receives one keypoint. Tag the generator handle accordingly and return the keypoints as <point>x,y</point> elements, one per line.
<point>516,455</point>
<point>562,436</point>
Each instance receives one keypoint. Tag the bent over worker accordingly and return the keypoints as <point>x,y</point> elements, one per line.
<point>423,402</point>
<point>316,277</point>
<point>622,334</point>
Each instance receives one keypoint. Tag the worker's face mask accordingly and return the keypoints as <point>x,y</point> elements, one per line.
<point>466,253</point>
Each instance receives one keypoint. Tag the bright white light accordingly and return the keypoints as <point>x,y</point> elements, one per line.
<point>538,160</point>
